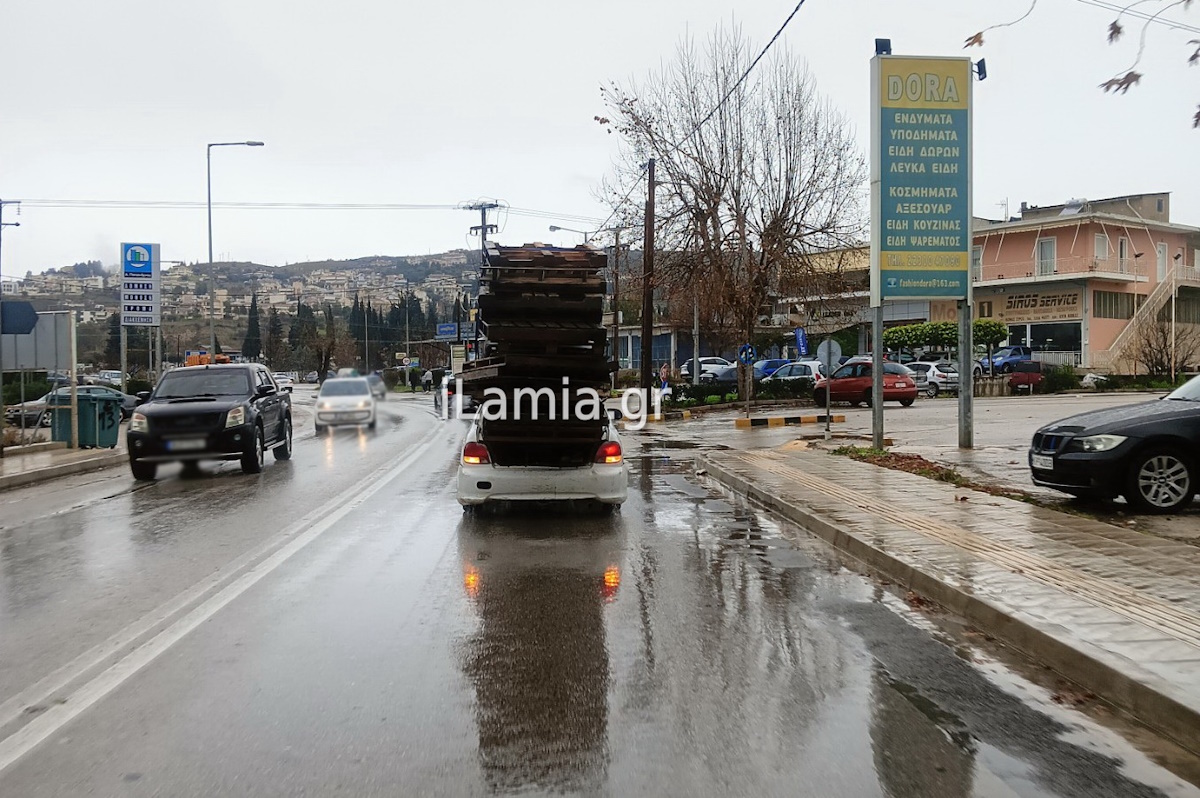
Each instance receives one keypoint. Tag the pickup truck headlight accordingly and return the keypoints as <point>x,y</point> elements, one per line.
<point>1100,443</point>
<point>137,423</point>
<point>236,417</point>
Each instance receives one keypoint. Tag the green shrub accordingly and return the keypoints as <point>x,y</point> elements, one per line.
<point>712,400</point>
<point>629,378</point>
<point>1060,378</point>
<point>34,389</point>
<point>136,386</point>
<point>731,397</point>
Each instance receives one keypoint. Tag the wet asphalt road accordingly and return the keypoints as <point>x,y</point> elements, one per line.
<point>337,626</point>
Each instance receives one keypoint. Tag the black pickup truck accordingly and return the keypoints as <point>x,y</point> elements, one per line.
<point>220,412</point>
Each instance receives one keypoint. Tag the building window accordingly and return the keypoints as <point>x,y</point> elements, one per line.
<point>976,263</point>
<point>1046,249</point>
<point>1102,246</point>
<point>985,310</point>
<point>1123,254</point>
<point>1113,305</point>
<point>1160,205</point>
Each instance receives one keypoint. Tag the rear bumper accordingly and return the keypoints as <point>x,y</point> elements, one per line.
<point>479,484</point>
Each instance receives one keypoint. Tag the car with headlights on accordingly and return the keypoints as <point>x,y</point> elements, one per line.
<point>345,402</point>
<point>211,412</point>
<point>1148,453</point>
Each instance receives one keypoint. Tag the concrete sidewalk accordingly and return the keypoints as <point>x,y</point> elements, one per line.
<point>18,468</point>
<point>1114,610</point>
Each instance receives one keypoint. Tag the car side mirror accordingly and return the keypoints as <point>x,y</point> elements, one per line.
<point>614,414</point>
<point>143,396</point>
<point>287,388</point>
<point>264,390</point>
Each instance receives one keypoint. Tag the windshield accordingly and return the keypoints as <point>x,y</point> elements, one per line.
<point>1188,392</point>
<point>346,387</point>
<point>182,384</point>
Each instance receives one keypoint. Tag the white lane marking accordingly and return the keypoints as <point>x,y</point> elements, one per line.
<point>36,731</point>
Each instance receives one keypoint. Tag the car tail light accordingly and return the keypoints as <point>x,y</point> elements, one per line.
<point>609,453</point>
<point>475,453</point>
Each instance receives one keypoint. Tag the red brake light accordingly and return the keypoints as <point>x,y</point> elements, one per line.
<point>475,453</point>
<point>609,452</point>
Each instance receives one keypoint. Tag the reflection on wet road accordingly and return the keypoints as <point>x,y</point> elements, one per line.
<point>688,645</point>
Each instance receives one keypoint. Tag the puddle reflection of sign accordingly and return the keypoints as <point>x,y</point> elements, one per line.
<point>1035,306</point>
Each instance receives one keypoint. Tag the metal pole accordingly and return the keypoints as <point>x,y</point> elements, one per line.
<point>648,286</point>
<point>3,224</point>
<point>828,373</point>
<point>966,382</point>
<point>616,320</point>
<point>212,271</point>
<point>696,337</point>
<point>1174,294</point>
<point>74,386</point>
<point>877,378</point>
<point>124,358</point>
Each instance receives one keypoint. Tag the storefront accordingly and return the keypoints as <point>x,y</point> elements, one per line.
<point>1049,319</point>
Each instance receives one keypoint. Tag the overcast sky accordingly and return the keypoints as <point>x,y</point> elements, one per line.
<point>365,101</point>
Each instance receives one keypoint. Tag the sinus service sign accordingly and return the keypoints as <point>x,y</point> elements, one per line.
<point>141,285</point>
<point>920,178</point>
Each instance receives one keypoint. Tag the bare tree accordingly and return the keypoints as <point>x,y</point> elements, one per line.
<point>1151,346</point>
<point>759,173</point>
<point>1147,12</point>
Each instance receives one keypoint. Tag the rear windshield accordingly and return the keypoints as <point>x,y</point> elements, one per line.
<point>1030,366</point>
<point>181,384</point>
<point>896,368</point>
<point>347,387</point>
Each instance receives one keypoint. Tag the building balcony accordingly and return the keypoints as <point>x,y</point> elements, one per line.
<point>1060,269</point>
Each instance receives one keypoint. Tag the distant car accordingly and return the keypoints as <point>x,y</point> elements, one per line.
<point>449,392</point>
<point>129,402</point>
<point>765,368</point>
<point>30,413</point>
<point>723,375</point>
<point>603,478</point>
<point>940,377</point>
<point>378,388</point>
<point>1145,452</point>
<point>345,401</point>
<point>1004,359</point>
<point>282,379</point>
<point>309,378</point>
<point>707,364</point>
<point>1026,376</point>
<point>348,373</point>
<point>794,372</point>
<point>218,412</point>
<point>110,378</point>
<point>852,383</point>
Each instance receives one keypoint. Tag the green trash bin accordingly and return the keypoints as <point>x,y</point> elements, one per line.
<point>99,420</point>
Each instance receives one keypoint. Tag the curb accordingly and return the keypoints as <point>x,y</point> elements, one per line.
<point>670,415</point>
<point>1076,663</point>
<point>34,448</point>
<point>784,421</point>
<point>63,470</point>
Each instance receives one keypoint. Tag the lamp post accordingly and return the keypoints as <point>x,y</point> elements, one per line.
<point>212,270</point>
<point>586,235</point>
<point>4,224</point>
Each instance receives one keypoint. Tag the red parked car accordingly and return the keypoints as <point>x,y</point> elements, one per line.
<point>1027,375</point>
<point>852,383</point>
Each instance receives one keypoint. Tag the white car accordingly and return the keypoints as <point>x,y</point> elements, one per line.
<point>940,377</point>
<point>707,364</point>
<point>282,379</point>
<point>345,402</point>
<point>605,480</point>
<point>807,370</point>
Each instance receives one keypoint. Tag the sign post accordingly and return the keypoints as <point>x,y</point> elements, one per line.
<point>921,201</point>
<point>141,292</point>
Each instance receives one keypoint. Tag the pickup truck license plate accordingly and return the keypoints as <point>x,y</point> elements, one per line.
<point>185,445</point>
<point>1043,462</point>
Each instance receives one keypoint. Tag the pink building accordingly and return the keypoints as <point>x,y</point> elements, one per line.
<point>1074,281</point>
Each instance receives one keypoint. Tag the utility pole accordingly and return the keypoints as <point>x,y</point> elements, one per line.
<point>648,285</point>
<point>483,228</point>
<point>4,224</point>
<point>616,338</point>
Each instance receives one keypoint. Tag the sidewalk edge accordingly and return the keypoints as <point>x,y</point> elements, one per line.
<point>1151,707</point>
<point>62,470</point>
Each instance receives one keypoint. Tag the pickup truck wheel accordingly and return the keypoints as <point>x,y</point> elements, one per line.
<point>284,450</point>
<point>254,458</point>
<point>143,471</point>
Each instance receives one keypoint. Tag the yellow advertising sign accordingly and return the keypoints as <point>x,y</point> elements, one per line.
<point>925,83</point>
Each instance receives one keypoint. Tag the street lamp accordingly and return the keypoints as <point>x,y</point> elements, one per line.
<point>212,270</point>
<point>586,235</point>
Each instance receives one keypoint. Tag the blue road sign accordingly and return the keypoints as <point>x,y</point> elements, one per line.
<point>446,331</point>
<point>19,318</point>
<point>747,354</point>
<point>801,342</point>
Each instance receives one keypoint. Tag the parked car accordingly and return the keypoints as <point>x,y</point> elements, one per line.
<point>309,378</point>
<point>1145,452</point>
<point>765,368</point>
<point>110,378</point>
<point>604,480</point>
<point>378,388</point>
<point>1004,359</point>
<point>282,379</point>
<point>792,372</point>
<point>219,412</point>
<point>940,377</point>
<point>707,364</point>
<point>723,375</point>
<point>852,383</point>
<point>1026,376</point>
<point>345,401</point>
<point>28,414</point>
<point>129,402</point>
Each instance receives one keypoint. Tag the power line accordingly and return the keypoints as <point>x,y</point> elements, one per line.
<point>1130,12</point>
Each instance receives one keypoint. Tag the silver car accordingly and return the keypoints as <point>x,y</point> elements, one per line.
<point>345,402</point>
<point>940,377</point>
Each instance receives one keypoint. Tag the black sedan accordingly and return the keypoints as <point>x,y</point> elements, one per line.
<point>1146,452</point>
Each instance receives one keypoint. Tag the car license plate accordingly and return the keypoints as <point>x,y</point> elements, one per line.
<point>1043,462</point>
<point>185,445</point>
